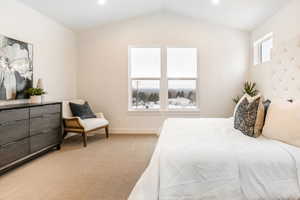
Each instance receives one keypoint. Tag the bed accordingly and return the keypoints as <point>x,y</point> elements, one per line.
<point>199,159</point>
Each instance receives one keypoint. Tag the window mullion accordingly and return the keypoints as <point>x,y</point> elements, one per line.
<point>164,80</point>
<point>260,53</point>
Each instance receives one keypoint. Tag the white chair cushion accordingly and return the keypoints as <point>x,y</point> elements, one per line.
<point>93,123</point>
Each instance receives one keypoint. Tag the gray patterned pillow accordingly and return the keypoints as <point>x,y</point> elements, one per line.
<point>245,117</point>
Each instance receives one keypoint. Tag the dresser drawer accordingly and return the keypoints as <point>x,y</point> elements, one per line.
<point>44,123</point>
<point>7,116</point>
<point>42,110</point>
<point>44,140</point>
<point>13,131</point>
<point>14,151</point>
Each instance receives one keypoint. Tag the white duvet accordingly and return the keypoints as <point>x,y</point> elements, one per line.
<point>199,159</point>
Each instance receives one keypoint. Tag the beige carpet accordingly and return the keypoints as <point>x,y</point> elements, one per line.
<point>106,170</point>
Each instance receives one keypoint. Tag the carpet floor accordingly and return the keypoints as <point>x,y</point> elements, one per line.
<point>106,170</point>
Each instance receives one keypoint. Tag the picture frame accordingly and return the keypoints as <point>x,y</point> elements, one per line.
<point>16,68</point>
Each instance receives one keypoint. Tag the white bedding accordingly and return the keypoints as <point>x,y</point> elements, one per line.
<point>199,159</point>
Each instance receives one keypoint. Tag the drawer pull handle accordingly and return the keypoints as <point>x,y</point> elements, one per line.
<point>38,117</point>
<point>10,144</point>
<point>17,122</point>
<point>4,124</point>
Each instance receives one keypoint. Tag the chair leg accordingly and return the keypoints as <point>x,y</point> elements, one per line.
<point>65,134</point>
<point>84,137</point>
<point>107,132</point>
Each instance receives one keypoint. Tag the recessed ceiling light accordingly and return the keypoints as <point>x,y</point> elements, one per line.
<point>216,2</point>
<point>102,2</point>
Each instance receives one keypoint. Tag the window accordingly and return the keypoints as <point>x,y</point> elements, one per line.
<point>182,77</point>
<point>145,77</point>
<point>266,50</point>
<point>263,49</point>
<point>163,78</point>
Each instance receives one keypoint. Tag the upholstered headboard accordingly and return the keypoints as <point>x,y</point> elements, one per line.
<point>286,69</point>
<point>280,78</point>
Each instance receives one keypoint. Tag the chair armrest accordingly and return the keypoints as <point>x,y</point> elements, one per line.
<point>67,118</point>
<point>99,115</point>
<point>73,122</point>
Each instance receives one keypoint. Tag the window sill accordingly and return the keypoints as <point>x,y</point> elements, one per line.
<point>184,111</point>
<point>174,111</point>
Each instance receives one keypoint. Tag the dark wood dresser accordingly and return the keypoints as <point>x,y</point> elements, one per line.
<point>27,131</point>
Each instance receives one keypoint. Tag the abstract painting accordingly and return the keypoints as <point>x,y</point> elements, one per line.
<point>16,68</point>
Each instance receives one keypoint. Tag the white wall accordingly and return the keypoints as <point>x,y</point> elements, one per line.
<point>102,76</point>
<point>284,24</point>
<point>55,47</point>
<point>275,79</point>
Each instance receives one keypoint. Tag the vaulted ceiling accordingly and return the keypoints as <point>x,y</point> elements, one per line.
<point>82,14</point>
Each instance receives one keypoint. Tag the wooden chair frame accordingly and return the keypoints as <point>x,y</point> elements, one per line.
<point>74,125</point>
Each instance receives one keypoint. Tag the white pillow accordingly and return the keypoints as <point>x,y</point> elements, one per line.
<point>283,122</point>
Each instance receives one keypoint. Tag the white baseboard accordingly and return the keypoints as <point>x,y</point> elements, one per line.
<point>133,131</point>
<point>125,131</point>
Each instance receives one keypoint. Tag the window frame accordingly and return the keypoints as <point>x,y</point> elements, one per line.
<point>130,79</point>
<point>196,78</point>
<point>164,79</point>
<point>257,49</point>
<point>261,49</point>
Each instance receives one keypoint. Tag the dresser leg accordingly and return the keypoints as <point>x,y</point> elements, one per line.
<point>58,147</point>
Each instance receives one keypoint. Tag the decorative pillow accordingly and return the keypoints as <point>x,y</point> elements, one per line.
<point>266,104</point>
<point>282,122</point>
<point>249,116</point>
<point>83,111</point>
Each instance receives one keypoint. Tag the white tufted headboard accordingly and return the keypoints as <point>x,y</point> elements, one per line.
<point>280,78</point>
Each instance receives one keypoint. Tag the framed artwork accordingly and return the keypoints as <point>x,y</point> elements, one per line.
<point>16,68</point>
